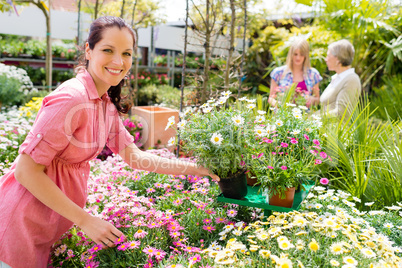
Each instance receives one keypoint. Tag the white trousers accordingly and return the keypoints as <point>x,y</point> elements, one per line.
<point>3,265</point>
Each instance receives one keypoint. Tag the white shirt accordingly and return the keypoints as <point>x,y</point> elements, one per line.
<point>335,80</point>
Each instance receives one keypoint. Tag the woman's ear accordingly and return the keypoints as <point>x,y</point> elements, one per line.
<point>87,51</point>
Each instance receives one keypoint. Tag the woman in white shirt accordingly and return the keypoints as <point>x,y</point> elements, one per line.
<point>344,90</point>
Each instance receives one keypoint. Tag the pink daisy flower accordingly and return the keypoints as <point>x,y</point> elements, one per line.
<point>316,142</point>
<point>140,234</point>
<point>284,167</point>
<point>231,213</point>
<point>150,251</point>
<point>196,258</point>
<point>122,247</point>
<point>324,181</point>
<point>220,220</point>
<point>323,155</point>
<point>318,161</point>
<point>208,228</point>
<point>133,244</point>
<point>284,144</point>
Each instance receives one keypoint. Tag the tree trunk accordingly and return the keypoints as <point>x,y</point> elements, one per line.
<point>96,9</point>
<point>135,69</point>
<point>207,46</point>
<point>122,9</point>
<point>49,65</point>
<point>231,45</point>
<point>244,48</point>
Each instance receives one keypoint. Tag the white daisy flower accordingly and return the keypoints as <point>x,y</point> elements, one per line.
<point>356,199</point>
<point>251,101</point>
<point>169,124</point>
<point>243,99</point>
<point>350,260</point>
<point>181,124</point>
<point>259,118</point>
<point>368,253</point>
<point>295,132</point>
<point>260,112</point>
<point>297,116</point>
<point>226,93</point>
<point>296,111</point>
<point>216,138</point>
<point>271,128</point>
<point>211,101</point>
<point>303,107</point>
<point>205,105</point>
<point>261,132</point>
<point>220,102</point>
<point>369,204</point>
<point>238,120</point>
<point>290,104</point>
<point>207,110</point>
<point>250,106</point>
<point>279,123</point>
<point>171,141</point>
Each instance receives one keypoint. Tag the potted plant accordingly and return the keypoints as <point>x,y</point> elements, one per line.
<point>285,150</point>
<point>213,134</point>
<point>160,60</point>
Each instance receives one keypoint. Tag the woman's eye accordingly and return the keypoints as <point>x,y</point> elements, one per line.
<point>127,54</point>
<point>107,50</point>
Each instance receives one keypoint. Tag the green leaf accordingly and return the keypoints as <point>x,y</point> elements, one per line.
<point>305,2</point>
<point>263,88</point>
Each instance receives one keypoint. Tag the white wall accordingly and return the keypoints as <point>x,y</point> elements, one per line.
<point>31,22</point>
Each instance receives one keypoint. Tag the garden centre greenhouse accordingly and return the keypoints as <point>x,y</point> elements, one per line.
<point>222,86</point>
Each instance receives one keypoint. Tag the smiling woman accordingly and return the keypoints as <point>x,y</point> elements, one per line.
<point>46,188</point>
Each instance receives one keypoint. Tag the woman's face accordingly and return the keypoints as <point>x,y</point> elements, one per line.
<point>332,61</point>
<point>298,58</point>
<point>111,58</point>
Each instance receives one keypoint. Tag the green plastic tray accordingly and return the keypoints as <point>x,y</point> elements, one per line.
<point>255,199</point>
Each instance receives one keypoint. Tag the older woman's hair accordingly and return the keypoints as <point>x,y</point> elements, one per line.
<point>343,50</point>
<point>304,48</point>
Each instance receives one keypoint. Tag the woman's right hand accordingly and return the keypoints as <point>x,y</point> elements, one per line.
<point>100,231</point>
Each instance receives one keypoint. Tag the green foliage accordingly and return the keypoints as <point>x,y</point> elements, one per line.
<point>387,98</point>
<point>361,161</point>
<point>373,28</point>
<point>10,93</point>
<point>164,95</point>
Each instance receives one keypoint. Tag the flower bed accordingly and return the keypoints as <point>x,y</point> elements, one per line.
<point>175,221</point>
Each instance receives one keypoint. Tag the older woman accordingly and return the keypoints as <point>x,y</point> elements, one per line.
<point>344,90</point>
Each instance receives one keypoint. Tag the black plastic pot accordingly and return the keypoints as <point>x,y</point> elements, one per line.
<point>235,187</point>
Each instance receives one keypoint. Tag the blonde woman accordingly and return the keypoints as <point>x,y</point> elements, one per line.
<point>344,90</point>
<point>297,70</point>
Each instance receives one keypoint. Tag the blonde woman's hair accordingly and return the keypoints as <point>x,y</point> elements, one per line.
<point>304,48</point>
<point>343,50</point>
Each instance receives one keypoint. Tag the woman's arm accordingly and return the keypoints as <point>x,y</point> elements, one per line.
<point>315,98</point>
<point>138,159</point>
<point>272,93</point>
<point>32,176</point>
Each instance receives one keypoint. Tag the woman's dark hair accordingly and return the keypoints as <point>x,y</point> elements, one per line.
<point>96,29</point>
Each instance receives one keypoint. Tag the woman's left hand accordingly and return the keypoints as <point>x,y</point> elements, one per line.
<point>205,172</point>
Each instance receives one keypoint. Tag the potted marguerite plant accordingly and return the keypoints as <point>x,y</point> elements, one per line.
<point>285,151</point>
<point>214,135</point>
